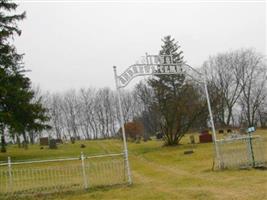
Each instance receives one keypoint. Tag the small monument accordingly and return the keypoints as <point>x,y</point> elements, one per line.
<point>192,139</point>
<point>72,139</point>
<point>229,131</point>
<point>159,135</point>
<point>44,141</point>
<point>205,137</point>
<point>52,144</point>
<point>59,141</point>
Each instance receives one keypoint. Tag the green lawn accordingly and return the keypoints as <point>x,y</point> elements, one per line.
<point>159,172</point>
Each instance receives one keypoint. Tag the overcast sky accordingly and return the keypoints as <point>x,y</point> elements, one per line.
<point>74,45</point>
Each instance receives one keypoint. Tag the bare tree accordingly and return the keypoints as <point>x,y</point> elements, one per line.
<point>106,112</point>
<point>56,115</point>
<point>262,114</point>
<point>128,108</point>
<point>70,110</point>
<point>224,70</point>
<point>86,116</point>
<point>253,81</point>
<point>144,97</point>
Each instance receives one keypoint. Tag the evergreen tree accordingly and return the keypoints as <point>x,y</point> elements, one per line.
<point>177,101</point>
<point>18,113</point>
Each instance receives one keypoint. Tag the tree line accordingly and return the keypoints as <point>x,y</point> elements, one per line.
<point>88,113</point>
<point>166,104</point>
<point>236,83</point>
<point>169,104</point>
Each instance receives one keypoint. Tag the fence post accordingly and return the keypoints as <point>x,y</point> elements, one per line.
<point>83,171</point>
<point>251,150</point>
<point>9,173</point>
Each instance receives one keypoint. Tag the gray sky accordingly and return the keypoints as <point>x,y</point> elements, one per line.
<point>73,45</point>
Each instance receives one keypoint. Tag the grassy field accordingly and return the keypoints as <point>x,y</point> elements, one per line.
<point>159,172</point>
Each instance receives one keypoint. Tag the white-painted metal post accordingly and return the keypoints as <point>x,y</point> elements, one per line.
<point>9,173</point>
<point>211,120</point>
<point>127,165</point>
<point>84,172</point>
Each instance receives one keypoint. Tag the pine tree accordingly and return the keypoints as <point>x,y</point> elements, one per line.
<point>18,113</point>
<point>173,96</point>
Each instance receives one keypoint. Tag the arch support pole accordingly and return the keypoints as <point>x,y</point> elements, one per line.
<point>125,149</point>
<point>214,138</point>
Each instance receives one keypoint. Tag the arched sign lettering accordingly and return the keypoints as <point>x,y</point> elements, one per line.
<point>155,65</point>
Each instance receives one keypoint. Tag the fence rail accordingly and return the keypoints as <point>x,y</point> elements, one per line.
<point>49,176</point>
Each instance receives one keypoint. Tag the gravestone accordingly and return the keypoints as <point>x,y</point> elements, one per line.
<point>137,139</point>
<point>146,137</point>
<point>188,152</point>
<point>159,135</point>
<point>44,141</point>
<point>52,144</point>
<point>59,141</point>
<point>72,139</point>
<point>192,139</point>
<point>24,144</point>
<point>205,138</point>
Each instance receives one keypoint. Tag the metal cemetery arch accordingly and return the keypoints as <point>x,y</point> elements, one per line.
<point>157,65</point>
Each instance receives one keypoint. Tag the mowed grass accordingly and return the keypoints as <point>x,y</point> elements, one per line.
<point>159,172</point>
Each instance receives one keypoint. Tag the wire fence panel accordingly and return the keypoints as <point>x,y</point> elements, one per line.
<point>260,152</point>
<point>106,172</point>
<point>242,152</point>
<point>23,179</point>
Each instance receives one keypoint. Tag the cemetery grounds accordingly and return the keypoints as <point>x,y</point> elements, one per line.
<point>158,172</point>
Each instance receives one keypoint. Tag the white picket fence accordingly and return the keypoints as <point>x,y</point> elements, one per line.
<point>49,176</point>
